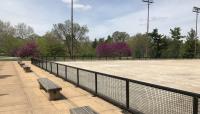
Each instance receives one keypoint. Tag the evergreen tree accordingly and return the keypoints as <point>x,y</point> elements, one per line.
<point>94,43</point>
<point>156,43</point>
<point>175,45</point>
<point>189,47</point>
<point>109,39</point>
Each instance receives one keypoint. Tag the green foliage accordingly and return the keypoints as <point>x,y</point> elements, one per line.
<point>109,39</point>
<point>140,45</point>
<point>51,46</point>
<point>175,44</point>
<point>94,43</point>
<point>189,47</point>
<point>156,43</point>
<point>101,40</point>
<point>198,49</point>
<point>43,45</point>
<point>8,44</point>
<point>86,49</point>
<point>58,41</point>
<point>120,36</point>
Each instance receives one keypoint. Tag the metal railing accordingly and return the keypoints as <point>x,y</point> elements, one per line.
<point>68,58</point>
<point>82,58</point>
<point>134,96</point>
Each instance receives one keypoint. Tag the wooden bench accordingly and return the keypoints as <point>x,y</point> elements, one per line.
<point>26,68</point>
<point>21,64</point>
<point>82,110</point>
<point>51,88</point>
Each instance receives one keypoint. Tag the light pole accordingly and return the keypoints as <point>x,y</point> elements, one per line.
<point>197,11</point>
<point>148,3</point>
<point>72,28</point>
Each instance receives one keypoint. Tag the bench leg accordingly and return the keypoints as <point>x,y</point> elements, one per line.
<point>54,95</point>
<point>41,86</point>
<point>27,70</point>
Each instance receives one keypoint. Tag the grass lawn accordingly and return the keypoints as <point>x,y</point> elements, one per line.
<point>5,58</point>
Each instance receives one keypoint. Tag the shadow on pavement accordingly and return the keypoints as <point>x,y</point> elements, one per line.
<point>5,76</point>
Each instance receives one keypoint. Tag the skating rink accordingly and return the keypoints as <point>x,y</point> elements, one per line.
<point>179,74</point>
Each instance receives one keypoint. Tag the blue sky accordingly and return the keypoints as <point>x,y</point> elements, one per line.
<point>102,17</point>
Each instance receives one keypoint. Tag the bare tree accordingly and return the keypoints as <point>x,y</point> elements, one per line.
<point>6,28</point>
<point>23,31</point>
<point>63,31</point>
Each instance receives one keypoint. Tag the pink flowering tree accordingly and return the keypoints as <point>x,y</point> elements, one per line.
<point>114,49</point>
<point>30,49</point>
<point>104,50</point>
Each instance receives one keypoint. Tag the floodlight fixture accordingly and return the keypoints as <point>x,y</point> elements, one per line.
<point>196,9</point>
<point>148,1</point>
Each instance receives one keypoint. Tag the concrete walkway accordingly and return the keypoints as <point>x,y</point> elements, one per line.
<point>20,94</point>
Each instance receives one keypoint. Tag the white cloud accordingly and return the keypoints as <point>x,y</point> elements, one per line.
<point>78,5</point>
<point>69,1</point>
<point>81,6</point>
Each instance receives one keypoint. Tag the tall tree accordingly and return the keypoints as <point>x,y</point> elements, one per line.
<point>189,47</point>
<point>156,41</point>
<point>140,45</point>
<point>30,49</point>
<point>86,49</point>
<point>120,36</point>
<point>23,31</point>
<point>63,31</point>
<point>175,46</point>
<point>109,39</point>
<point>52,46</point>
<point>6,28</point>
<point>101,40</point>
<point>8,44</point>
<point>94,43</point>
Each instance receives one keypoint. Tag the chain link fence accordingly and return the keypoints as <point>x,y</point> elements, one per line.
<point>134,96</point>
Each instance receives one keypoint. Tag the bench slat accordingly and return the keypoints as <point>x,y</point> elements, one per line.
<point>48,85</point>
<point>83,110</point>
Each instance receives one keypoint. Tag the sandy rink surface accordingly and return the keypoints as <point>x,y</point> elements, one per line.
<point>179,74</point>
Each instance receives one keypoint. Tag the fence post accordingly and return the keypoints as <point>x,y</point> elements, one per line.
<point>195,105</point>
<point>39,63</point>
<point>65,72</point>
<point>51,66</point>
<point>42,63</point>
<point>57,69</point>
<point>96,92</point>
<point>46,64</point>
<point>127,94</point>
<point>77,77</point>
